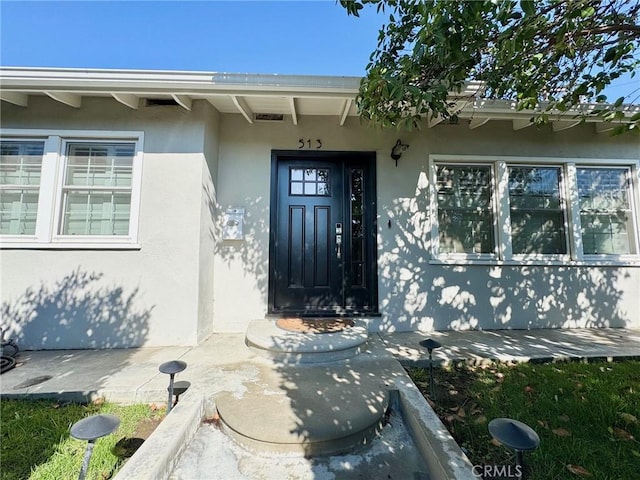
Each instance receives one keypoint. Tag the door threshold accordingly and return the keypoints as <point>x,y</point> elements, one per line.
<point>328,315</point>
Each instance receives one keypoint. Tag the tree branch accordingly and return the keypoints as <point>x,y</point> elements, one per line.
<point>634,29</point>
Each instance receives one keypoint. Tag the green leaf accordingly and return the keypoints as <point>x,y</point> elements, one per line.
<point>610,54</point>
<point>431,46</point>
<point>528,7</point>
<point>588,12</point>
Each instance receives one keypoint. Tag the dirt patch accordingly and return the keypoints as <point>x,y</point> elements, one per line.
<point>314,325</point>
<point>147,427</point>
<point>127,446</point>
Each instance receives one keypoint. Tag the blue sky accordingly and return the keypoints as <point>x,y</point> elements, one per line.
<point>307,37</point>
<point>287,37</point>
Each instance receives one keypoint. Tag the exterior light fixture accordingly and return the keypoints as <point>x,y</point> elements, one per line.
<point>171,368</point>
<point>91,429</point>
<point>396,151</point>
<point>515,435</point>
<point>431,345</point>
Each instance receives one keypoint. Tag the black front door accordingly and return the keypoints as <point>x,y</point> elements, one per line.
<point>323,234</point>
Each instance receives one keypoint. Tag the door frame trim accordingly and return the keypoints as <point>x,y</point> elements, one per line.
<point>276,157</point>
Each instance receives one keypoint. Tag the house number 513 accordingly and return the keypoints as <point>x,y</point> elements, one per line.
<point>302,143</point>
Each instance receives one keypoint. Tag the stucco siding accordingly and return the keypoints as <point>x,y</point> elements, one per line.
<point>209,224</point>
<point>106,298</point>
<point>414,291</point>
<point>182,281</point>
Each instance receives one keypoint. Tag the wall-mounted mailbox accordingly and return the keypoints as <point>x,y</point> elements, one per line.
<point>233,226</point>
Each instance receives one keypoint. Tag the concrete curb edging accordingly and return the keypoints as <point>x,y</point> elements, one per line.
<point>444,457</point>
<point>158,455</point>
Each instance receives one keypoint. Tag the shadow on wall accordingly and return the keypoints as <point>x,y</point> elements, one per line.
<point>253,251</point>
<point>417,294</point>
<point>78,312</point>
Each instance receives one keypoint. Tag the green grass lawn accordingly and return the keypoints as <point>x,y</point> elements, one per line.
<point>587,415</point>
<point>36,444</point>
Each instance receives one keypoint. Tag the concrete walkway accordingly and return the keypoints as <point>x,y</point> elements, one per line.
<point>224,365</point>
<point>131,375</point>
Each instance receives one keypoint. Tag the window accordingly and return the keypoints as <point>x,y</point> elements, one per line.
<point>20,172</point>
<point>536,211</point>
<point>97,189</point>
<point>512,209</point>
<point>70,189</point>
<point>309,181</point>
<point>605,210</point>
<point>465,212</point>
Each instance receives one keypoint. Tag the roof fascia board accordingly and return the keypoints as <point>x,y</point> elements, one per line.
<point>194,81</point>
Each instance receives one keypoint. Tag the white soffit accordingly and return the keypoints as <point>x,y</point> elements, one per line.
<point>222,103</point>
<point>250,94</point>
<point>268,104</point>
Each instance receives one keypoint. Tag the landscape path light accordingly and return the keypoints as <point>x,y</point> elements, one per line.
<point>179,388</point>
<point>431,344</point>
<point>171,368</point>
<point>91,429</point>
<point>515,435</point>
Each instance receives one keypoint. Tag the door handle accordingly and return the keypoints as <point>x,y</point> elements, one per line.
<point>339,240</point>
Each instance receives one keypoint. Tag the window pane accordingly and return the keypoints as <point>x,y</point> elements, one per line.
<point>605,211</point>
<point>96,213</point>
<point>296,188</point>
<point>97,189</point>
<point>465,231</point>
<point>20,166</point>
<point>91,164</point>
<point>538,232</point>
<point>309,181</point>
<point>18,211</point>
<point>323,188</point>
<point>465,214</point>
<point>537,216</point>
<point>357,196</point>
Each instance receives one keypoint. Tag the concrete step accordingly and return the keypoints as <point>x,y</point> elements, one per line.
<point>305,409</point>
<point>267,339</point>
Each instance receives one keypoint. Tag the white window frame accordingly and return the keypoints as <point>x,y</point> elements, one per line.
<point>634,210</point>
<point>564,208</point>
<point>433,200</point>
<point>569,202</point>
<point>49,214</point>
<point>39,188</point>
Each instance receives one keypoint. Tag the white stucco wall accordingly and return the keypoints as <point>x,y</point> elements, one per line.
<point>185,282</point>
<point>414,293</point>
<point>160,294</point>
<point>209,226</point>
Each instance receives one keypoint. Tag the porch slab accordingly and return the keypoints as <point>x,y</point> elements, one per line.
<point>267,339</point>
